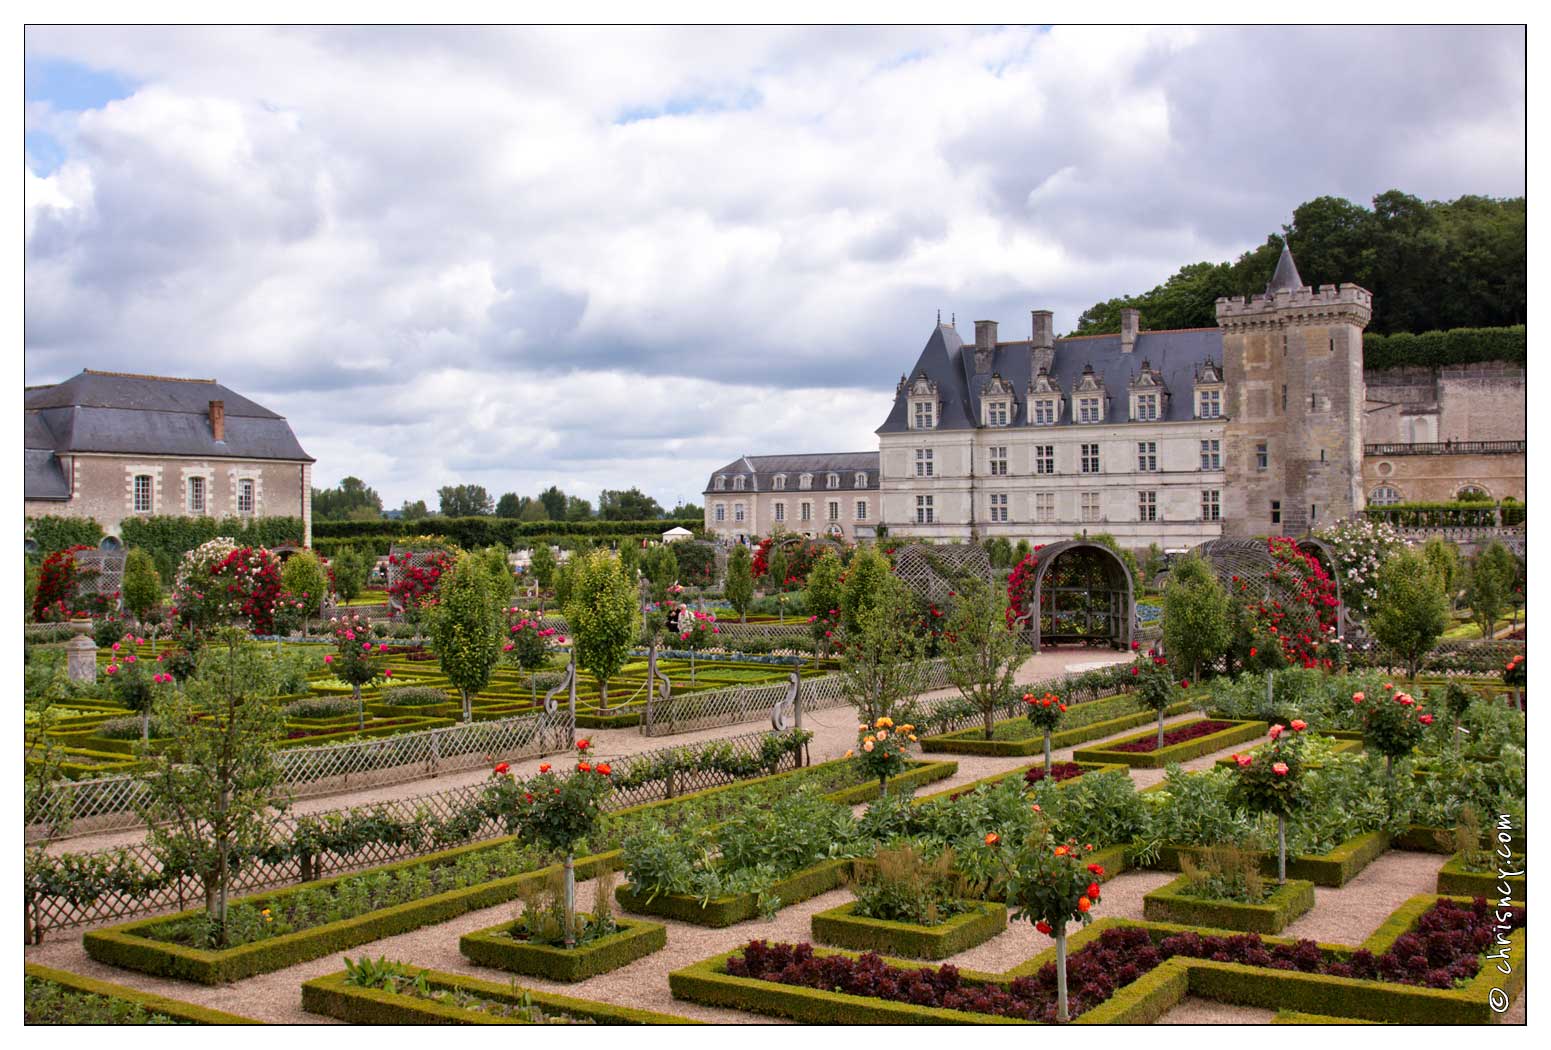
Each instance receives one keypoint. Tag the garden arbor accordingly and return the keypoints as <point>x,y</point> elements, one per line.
<point>1083,594</point>
<point>1252,562</point>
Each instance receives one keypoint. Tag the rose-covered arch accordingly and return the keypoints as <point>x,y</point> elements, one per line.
<point>1082,591</point>
<point>1286,589</point>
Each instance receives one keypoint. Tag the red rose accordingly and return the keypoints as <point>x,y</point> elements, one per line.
<point>1093,890</point>
<point>502,768</point>
<point>1096,869</point>
<point>1043,927</point>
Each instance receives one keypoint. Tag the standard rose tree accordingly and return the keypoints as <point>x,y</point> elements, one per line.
<point>1155,685</point>
<point>1393,724</point>
<point>1272,782</point>
<point>1045,715</point>
<point>351,660</point>
<point>883,749</point>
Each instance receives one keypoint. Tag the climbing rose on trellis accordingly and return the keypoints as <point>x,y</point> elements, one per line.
<point>1020,587</point>
<point>420,575</point>
<point>1298,610</point>
<point>59,581</point>
<point>219,581</point>
<point>799,560</point>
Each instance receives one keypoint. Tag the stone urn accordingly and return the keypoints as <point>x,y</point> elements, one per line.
<point>81,653</point>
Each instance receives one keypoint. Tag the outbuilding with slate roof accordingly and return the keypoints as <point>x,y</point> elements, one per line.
<point>822,494</point>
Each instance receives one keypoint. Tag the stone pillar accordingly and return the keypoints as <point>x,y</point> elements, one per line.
<point>81,653</point>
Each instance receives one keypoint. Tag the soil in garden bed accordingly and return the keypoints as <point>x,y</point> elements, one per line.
<point>1058,772</point>
<point>1192,731</point>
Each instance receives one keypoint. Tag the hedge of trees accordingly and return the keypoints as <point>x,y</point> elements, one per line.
<point>1457,346</point>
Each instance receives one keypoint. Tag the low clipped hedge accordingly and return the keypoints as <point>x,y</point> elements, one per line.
<point>1288,902</point>
<point>1454,880</point>
<point>1344,745</point>
<point>330,996</point>
<point>725,911</point>
<point>156,1004</point>
<point>973,741</point>
<point>1237,733</point>
<point>843,927</point>
<point>494,948</point>
<point>1297,1017</point>
<point>1333,869</point>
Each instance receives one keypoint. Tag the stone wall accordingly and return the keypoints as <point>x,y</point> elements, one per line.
<point>1477,402</point>
<point>1438,479</point>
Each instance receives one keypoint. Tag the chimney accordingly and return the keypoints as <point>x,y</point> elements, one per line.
<point>985,345</point>
<point>1130,324</point>
<point>1044,330</point>
<point>218,420</point>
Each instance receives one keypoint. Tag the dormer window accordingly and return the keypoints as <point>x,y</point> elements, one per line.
<point>805,481</point>
<point>861,479</point>
<point>1044,400</point>
<point>1146,407</point>
<point>778,482</point>
<point>832,481</point>
<point>720,484</point>
<point>1090,410</point>
<point>997,402</point>
<point>1089,397</point>
<point>1209,391</point>
<point>997,413</point>
<point>1046,412</point>
<point>1149,397</point>
<point>925,415</point>
<point>923,403</point>
<point>737,483</point>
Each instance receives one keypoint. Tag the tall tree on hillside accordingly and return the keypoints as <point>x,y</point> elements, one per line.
<point>627,505</point>
<point>464,501</point>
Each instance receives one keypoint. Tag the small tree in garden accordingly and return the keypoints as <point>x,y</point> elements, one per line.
<point>494,560</point>
<point>1393,725</point>
<point>351,660</point>
<point>135,684</point>
<point>542,565</point>
<point>823,595</point>
<point>740,581</point>
<point>1051,884</point>
<point>1491,586</point>
<point>660,568</point>
<point>210,795</point>
<point>1443,559</point>
<point>555,812</point>
<point>604,618</point>
<point>1045,715</point>
<point>778,571</point>
<point>1197,628</point>
<point>527,646</point>
<point>865,579</point>
<point>351,568</point>
<point>1411,612</point>
<point>142,587</point>
<point>883,749</point>
<point>1457,700</point>
<point>466,629</point>
<point>983,655</point>
<point>220,583</point>
<point>304,579</point>
<point>1155,686</point>
<point>882,662</point>
<point>697,631</point>
<point>1272,782</point>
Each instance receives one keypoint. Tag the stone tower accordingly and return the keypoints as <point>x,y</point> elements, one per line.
<point>1292,444</point>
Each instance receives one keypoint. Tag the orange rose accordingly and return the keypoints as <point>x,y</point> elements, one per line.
<point>1083,904</point>
<point>992,838</point>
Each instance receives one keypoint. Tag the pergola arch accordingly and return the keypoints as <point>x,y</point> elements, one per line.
<point>932,570</point>
<point>1082,592</point>
<point>1251,560</point>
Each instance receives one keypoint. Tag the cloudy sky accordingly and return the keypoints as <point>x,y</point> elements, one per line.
<point>604,258</point>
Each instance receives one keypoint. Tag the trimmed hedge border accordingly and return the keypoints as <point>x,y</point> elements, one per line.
<point>1454,880</point>
<point>1422,839</point>
<point>973,741</point>
<point>1237,733</point>
<point>1288,902</point>
<point>725,911</point>
<point>634,940</point>
<point>332,997</point>
<point>1343,746</point>
<point>840,926</point>
<point>122,945</point>
<point>1088,767</point>
<point>156,1004</point>
<point>1333,869</point>
<point>1296,1017</point>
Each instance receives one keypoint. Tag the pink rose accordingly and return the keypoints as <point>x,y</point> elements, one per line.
<point>328,658</point>
<point>1276,731</point>
<point>1280,769</point>
<point>1244,761</point>
<point>1299,725</point>
<point>1426,720</point>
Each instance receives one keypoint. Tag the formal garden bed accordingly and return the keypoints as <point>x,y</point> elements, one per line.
<point>58,997</point>
<point>976,923</point>
<point>1468,874</point>
<point>1082,722</point>
<point>505,947</point>
<point>1181,743</point>
<point>1334,869</point>
<point>1270,912</point>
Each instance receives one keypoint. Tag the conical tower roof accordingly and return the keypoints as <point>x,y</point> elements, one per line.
<point>1286,278</point>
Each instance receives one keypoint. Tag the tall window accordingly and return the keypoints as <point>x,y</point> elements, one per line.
<point>1211,454</point>
<point>999,506</point>
<point>807,511</point>
<point>721,512</point>
<point>737,512</point>
<point>832,481</point>
<point>1146,506</point>
<point>1044,459</point>
<point>142,493</point>
<point>1090,506</point>
<point>1147,407</point>
<point>998,459</point>
<point>923,462</point>
<point>1045,413</point>
<point>778,483</point>
<point>245,496</point>
<point>1146,455</point>
<point>1090,459</point>
<point>1276,512</point>
<point>1262,455</point>
<point>196,495</point>
<point>1211,404</point>
<point>925,415</point>
<point>834,510</point>
<point>1044,506</point>
<point>861,510</point>
<point>779,509</point>
<point>996,414</point>
<point>923,510</point>
<point>1088,410</point>
<point>1211,505</point>
<point>1384,496</point>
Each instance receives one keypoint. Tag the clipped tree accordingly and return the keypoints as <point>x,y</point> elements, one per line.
<point>983,655</point>
<point>1197,620</point>
<point>740,580</point>
<point>351,569</point>
<point>1491,586</point>
<point>142,587</point>
<point>303,578</point>
<point>866,577</point>
<point>605,620</point>
<point>494,560</point>
<point>1411,612</point>
<point>466,629</point>
<point>882,660</point>
<point>1443,559</point>
<point>823,595</point>
<point>660,568</point>
<point>209,796</point>
<point>542,564</point>
<point>777,569</point>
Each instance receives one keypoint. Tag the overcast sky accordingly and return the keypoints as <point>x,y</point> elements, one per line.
<point>606,258</point>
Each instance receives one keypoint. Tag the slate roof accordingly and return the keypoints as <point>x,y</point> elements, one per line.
<point>147,415</point>
<point>1286,278</point>
<point>761,470</point>
<point>950,362</point>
